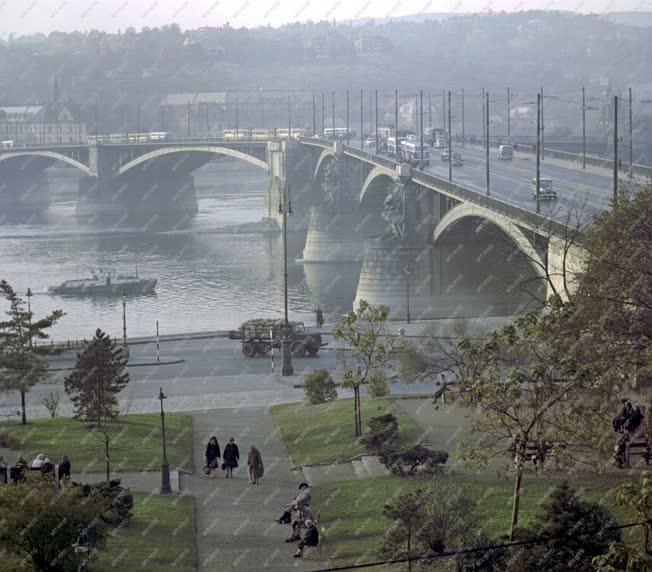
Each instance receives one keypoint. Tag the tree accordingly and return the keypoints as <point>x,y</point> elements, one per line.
<point>99,376</point>
<point>633,557</point>
<point>577,531</point>
<point>93,386</point>
<point>437,516</point>
<point>366,349</point>
<point>22,363</point>
<point>613,302</point>
<point>383,433</point>
<point>407,462</point>
<point>526,388</point>
<point>41,523</point>
<point>319,386</point>
<point>406,514</point>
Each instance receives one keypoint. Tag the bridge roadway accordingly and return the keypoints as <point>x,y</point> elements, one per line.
<point>511,181</point>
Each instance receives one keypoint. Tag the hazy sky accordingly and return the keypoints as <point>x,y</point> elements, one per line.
<point>28,16</point>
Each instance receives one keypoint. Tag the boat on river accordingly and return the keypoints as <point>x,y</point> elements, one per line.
<point>107,283</point>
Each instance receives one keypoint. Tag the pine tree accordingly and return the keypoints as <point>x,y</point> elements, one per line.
<point>99,376</point>
<point>578,531</point>
<point>22,363</point>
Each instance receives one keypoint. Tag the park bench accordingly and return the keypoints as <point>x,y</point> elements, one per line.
<point>642,448</point>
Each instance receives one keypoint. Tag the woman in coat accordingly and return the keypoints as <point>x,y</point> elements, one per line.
<point>212,454</point>
<point>231,457</point>
<point>255,464</point>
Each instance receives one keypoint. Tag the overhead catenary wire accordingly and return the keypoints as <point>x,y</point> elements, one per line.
<point>455,552</point>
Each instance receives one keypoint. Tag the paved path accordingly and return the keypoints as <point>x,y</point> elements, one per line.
<point>235,520</point>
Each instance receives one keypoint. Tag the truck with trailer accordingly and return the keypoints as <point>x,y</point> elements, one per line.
<point>260,336</point>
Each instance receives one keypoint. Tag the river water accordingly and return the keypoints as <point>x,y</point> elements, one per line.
<point>208,278</point>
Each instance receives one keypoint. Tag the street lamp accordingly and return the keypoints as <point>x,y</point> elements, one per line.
<point>29,313</point>
<point>285,208</point>
<point>124,319</point>
<point>407,271</point>
<point>166,488</point>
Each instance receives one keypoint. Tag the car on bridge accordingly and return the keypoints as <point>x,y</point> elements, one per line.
<point>458,160</point>
<point>505,153</point>
<point>546,190</point>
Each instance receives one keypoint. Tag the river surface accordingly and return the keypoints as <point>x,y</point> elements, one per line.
<point>208,279</point>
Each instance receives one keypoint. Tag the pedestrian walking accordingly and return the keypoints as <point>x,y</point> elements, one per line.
<point>230,458</point>
<point>319,315</point>
<point>255,464</point>
<point>212,456</point>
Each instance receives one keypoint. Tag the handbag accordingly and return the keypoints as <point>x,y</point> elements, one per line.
<point>224,466</point>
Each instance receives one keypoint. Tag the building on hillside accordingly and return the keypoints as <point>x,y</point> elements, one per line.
<point>372,46</point>
<point>194,114</point>
<point>47,124</point>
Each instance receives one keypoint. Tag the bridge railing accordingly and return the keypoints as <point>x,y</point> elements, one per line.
<point>592,160</point>
<point>531,219</point>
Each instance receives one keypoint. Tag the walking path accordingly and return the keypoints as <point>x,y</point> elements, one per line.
<point>235,520</point>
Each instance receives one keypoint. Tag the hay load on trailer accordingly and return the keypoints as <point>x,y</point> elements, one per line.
<point>259,336</point>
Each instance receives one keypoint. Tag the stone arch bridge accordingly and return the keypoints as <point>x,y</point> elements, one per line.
<point>450,250</point>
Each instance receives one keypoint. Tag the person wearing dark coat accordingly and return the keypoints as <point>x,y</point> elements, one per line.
<point>231,457</point>
<point>311,538</point>
<point>212,455</point>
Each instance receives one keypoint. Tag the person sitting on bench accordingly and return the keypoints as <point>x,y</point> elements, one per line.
<point>301,500</point>
<point>299,525</point>
<point>310,538</point>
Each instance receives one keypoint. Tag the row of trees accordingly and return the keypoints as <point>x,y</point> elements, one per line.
<point>549,384</point>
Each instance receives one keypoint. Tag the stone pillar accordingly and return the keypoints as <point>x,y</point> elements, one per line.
<point>383,279</point>
<point>332,237</point>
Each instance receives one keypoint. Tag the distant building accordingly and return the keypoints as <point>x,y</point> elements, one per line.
<point>194,114</point>
<point>41,124</point>
<point>317,48</point>
<point>372,46</point>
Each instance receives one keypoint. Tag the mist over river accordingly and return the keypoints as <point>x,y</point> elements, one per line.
<point>208,278</point>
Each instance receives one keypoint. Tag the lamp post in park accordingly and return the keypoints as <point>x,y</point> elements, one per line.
<point>407,271</point>
<point>285,209</point>
<point>124,319</point>
<point>166,488</point>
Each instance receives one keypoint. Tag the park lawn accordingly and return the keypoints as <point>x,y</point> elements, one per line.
<point>136,446</point>
<point>323,433</point>
<point>351,512</point>
<point>159,537</point>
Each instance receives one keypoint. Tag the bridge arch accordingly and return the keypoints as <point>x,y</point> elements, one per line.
<point>325,155</point>
<point>48,155</point>
<point>467,210</point>
<point>215,149</point>
<point>372,179</point>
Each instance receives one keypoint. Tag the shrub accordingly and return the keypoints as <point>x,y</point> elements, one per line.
<point>319,386</point>
<point>383,433</point>
<point>118,500</point>
<point>408,461</point>
<point>8,442</point>
<point>51,402</point>
<point>378,384</point>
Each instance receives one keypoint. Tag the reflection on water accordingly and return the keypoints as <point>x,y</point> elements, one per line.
<point>207,279</point>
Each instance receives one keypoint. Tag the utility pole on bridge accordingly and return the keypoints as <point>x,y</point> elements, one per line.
<point>463,120</point>
<point>538,172</point>
<point>615,189</point>
<point>450,141</point>
<point>361,119</point>
<point>509,118</point>
<point>487,145</point>
<point>583,128</point>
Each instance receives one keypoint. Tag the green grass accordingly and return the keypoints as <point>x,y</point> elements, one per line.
<point>324,433</point>
<point>137,445</point>
<point>159,537</point>
<point>352,511</point>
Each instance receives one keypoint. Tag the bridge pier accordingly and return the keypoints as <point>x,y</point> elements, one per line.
<point>383,279</point>
<point>24,192</point>
<point>137,196</point>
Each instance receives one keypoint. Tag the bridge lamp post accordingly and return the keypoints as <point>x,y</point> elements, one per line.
<point>124,319</point>
<point>166,488</point>
<point>285,209</point>
<point>29,313</point>
<point>407,271</point>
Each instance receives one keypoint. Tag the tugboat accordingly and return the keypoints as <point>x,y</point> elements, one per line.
<point>107,283</point>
